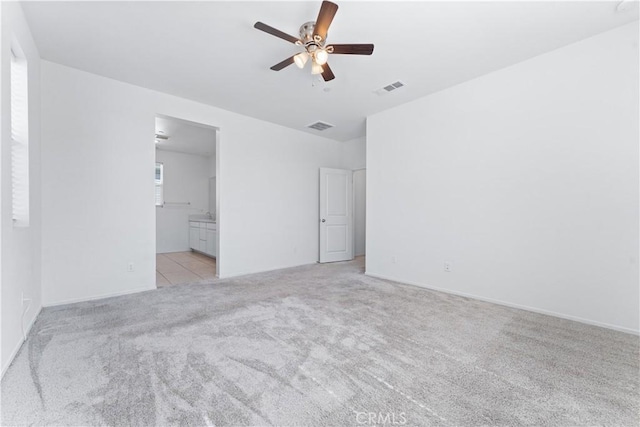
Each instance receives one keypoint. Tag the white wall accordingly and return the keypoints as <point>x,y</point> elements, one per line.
<point>526,179</point>
<point>269,192</point>
<point>212,164</point>
<point>186,179</point>
<point>95,224</point>
<point>212,185</point>
<point>20,247</point>
<point>360,210</point>
<point>354,154</point>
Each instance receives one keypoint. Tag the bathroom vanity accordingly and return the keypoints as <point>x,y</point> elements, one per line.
<point>203,236</point>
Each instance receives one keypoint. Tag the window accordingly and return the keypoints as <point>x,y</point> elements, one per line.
<point>19,140</point>
<point>159,184</point>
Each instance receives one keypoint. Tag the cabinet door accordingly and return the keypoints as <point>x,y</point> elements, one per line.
<point>211,243</point>
<point>194,238</point>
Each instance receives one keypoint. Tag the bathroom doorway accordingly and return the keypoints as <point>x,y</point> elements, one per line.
<point>185,201</point>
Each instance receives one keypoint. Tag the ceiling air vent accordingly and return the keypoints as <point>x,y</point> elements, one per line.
<point>320,126</point>
<point>390,88</point>
<point>393,86</point>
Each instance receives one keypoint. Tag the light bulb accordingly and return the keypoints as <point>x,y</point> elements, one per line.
<point>321,56</point>
<point>316,68</point>
<point>301,59</point>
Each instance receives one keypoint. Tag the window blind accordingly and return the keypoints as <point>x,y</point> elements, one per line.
<point>19,141</point>
<point>159,179</point>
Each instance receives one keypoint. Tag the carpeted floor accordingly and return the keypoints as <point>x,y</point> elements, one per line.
<point>316,345</point>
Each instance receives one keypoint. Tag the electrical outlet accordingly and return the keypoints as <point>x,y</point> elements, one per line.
<point>130,267</point>
<point>447,266</point>
<point>393,259</point>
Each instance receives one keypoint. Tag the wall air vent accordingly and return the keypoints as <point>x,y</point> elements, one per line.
<point>320,126</point>
<point>390,88</point>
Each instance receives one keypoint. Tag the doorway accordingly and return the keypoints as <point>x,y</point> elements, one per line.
<point>185,201</point>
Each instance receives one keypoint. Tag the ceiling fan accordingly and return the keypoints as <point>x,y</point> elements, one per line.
<point>313,38</point>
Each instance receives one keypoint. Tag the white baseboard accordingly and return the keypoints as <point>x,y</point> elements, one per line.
<point>96,297</point>
<point>509,304</point>
<point>232,275</point>
<point>32,321</point>
<point>19,344</point>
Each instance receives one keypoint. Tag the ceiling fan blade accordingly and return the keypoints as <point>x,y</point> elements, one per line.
<point>353,49</point>
<point>274,32</point>
<point>327,74</point>
<point>280,65</point>
<point>325,16</point>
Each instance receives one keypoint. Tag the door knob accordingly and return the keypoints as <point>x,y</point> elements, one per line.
<point>324,220</point>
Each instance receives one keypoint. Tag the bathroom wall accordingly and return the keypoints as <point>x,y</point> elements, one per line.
<point>186,179</point>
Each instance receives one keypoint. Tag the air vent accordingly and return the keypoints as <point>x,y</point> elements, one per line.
<point>320,126</point>
<point>390,88</point>
<point>393,86</point>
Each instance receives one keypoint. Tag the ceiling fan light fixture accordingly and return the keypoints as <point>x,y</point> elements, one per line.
<point>301,59</point>
<point>321,56</point>
<point>313,38</point>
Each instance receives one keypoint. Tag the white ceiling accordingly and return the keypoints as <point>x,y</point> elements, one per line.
<point>210,52</point>
<point>185,137</point>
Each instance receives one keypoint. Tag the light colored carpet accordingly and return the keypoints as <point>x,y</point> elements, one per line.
<point>316,345</point>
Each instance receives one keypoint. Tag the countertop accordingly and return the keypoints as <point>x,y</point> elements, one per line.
<point>201,218</point>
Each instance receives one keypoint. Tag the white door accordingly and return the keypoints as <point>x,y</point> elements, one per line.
<point>336,215</point>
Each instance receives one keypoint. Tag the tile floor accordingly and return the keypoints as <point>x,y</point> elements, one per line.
<point>178,268</point>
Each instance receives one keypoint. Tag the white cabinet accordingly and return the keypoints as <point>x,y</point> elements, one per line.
<point>203,237</point>
<point>194,236</point>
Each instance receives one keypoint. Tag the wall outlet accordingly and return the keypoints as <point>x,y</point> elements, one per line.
<point>130,267</point>
<point>393,259</point>
<point>447,266</point>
